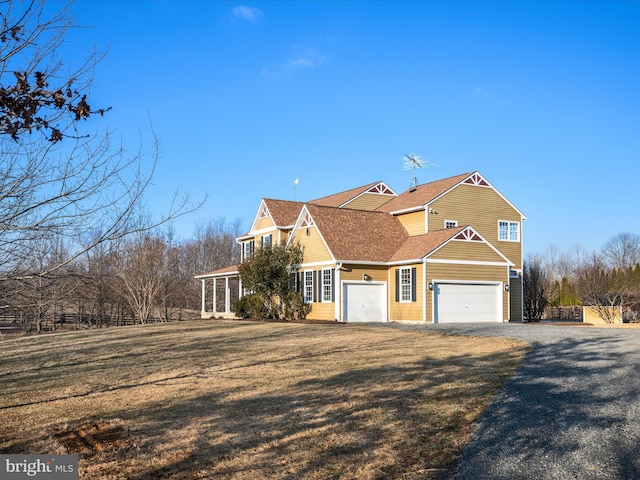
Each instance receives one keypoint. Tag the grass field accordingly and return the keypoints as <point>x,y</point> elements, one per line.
<point>250,400</point>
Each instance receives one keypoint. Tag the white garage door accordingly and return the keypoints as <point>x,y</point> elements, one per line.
<point>364,302</point>
<point>456,302</point>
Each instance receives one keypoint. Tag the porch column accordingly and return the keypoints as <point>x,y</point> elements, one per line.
<point>215,292</point>
<point>227,295</point>
<point>203,295</point>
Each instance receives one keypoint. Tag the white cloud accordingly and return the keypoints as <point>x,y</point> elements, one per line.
<point>302,58</point>
<point>249,14</point>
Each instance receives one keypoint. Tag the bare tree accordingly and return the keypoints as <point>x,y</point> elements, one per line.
<point>142,267</point>
<point>622,250</point>
<point>536,286</point>
<point>54,181</point>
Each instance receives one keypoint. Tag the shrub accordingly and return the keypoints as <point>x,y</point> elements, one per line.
<point>250,306</point>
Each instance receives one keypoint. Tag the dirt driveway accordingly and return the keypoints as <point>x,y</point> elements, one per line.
<point>572,411</point>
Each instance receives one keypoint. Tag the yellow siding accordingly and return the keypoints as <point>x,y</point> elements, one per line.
<point>368,201</point>
<point>464,250</point>
<point>456,272</point>
<point>266,222</point>
<point>314,248</point>
<point>480,207</point>
<point>408,310</point>
<point>322,311</point>
<point>413,222</point>
<point>355,272</point>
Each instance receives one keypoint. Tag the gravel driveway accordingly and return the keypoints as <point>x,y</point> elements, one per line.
<point>572,411</point>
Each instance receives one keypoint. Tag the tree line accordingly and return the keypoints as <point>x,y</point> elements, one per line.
<point>602,279</point>
<point>146,276</point>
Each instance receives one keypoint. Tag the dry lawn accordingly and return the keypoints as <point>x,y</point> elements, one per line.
<point>250,400</point>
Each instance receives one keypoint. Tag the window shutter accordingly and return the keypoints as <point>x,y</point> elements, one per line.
<point>413,284</point>
<point>333,284</point>
<point>299,282</point>
<point>397,284</point>
<point>315,286</point>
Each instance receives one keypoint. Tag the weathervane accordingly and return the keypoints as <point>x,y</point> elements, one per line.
<point>413,161</point>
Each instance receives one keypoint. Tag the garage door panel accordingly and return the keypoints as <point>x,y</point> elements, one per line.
<point>467,302</point>
<point>364,302</point>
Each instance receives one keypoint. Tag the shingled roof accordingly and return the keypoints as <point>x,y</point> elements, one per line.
<point>419,246</point>
<point>358,235</point>
<point>283,212</point>
<point>341,198</point>
<point>421,195</point>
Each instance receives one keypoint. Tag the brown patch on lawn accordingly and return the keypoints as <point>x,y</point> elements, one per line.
<point>90,438</point>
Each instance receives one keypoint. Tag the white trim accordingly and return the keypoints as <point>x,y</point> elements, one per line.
<point>400,284</point>
<point>408,210</point>
<point>509,222</point>
<point>217,275</point>
<point>424,290</point>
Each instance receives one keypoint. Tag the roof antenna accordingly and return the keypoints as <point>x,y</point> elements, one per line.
<point>295,186</point>
<point>413,161</point>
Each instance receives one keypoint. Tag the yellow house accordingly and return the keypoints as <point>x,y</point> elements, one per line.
<point>445,251</point>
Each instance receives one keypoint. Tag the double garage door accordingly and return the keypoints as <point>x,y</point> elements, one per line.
<point>453,302</point>
<point>467,302</point>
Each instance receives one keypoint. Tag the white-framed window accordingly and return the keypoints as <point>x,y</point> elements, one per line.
<point>266,241</point>
<point>248,249</point>
<point>308,286</point>
<point>508,231</point>
<point>405,284</point>
<point>327,286</point>
<point>450,223</point>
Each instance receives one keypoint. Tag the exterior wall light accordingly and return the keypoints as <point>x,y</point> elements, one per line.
<point>506,288</point>
<point>430,286</point>
<point>366,277</point>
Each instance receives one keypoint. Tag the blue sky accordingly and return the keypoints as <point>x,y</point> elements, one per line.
<point>541,97</point>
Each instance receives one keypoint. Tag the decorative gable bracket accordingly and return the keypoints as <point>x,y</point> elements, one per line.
<point>381,189</point>
<point>477,180</point>
<point>468,235</point>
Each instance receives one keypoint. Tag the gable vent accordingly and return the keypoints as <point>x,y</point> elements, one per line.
<point>380,188</point>
<point>477,180</point>
<point>468,235</point>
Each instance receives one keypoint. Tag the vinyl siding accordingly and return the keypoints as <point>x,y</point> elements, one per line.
<point>463,250</point>
<point>368,201</point>
<point>413,222</point>
<point>263,223</point>
<point>322,311</point>
<point>480,207</point>
<point>463,273</point>
<point>355,272</point>
<point>314,248</point>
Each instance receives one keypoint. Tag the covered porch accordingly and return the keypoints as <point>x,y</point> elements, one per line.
<point>220,291</point>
